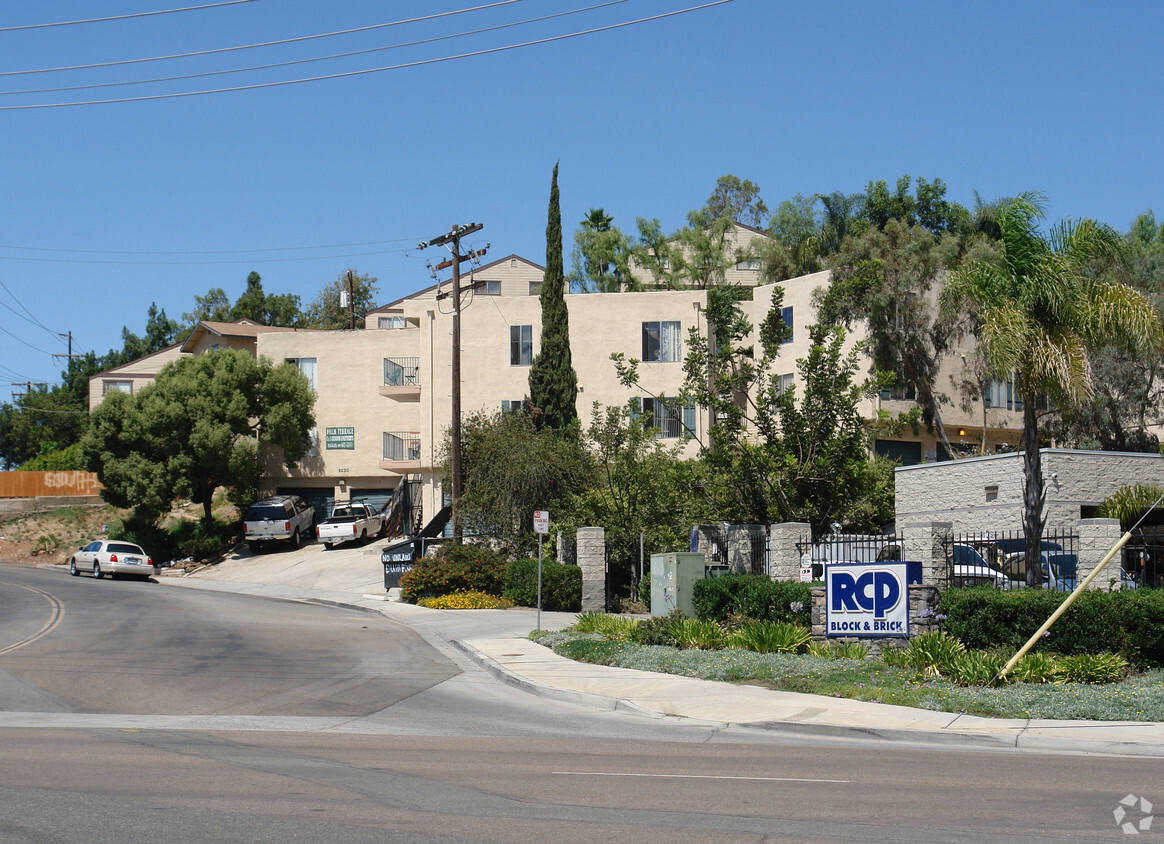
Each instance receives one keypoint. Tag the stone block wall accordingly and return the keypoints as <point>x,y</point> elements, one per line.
<point>591,557</point>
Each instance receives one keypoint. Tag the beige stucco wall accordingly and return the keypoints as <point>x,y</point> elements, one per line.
<point>964,420</point>
<point>986,493</point>
<point>139,372</point>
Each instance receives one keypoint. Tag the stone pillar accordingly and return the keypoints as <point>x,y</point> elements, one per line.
<point>782,539</point>
<point>739,547</point>
<point>819,612</point>
<point>592,560</point>
<point>1096,537</point>
<point>927,546</point>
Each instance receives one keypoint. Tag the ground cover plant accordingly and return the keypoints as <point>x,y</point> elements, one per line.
<point>936,671</point>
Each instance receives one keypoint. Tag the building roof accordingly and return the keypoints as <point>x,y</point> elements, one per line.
<point>391,306</point>
<point>244,328</point>
<point>127,369</point>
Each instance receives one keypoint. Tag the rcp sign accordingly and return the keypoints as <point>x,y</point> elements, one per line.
<point>867,600</point>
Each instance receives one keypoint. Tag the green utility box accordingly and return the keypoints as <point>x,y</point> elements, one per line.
<point>673,579</point>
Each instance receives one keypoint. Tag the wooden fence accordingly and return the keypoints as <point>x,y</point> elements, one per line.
<point>34,484</point>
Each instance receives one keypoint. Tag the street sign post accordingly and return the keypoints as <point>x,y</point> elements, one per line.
<point>541,519</point>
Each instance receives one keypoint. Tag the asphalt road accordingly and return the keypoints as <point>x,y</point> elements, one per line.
<point>153,713</point>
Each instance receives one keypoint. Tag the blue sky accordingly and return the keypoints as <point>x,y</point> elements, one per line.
<point>110,207</point>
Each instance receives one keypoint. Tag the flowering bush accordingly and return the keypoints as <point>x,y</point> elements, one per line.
<point>466,601</point>
<point>454,568</point>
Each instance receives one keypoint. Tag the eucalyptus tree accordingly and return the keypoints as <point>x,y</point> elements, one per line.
<point>1040,310</point>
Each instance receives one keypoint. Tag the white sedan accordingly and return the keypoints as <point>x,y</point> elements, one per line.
<point>112,557</point>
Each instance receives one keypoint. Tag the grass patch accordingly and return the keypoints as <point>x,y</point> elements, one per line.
<point>1139,697</point>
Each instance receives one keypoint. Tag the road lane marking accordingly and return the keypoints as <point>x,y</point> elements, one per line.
<point>58,612</point>
<point>691,776</point>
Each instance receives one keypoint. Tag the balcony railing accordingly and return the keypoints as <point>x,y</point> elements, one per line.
<point>401,446</point>
<point>402,372</point>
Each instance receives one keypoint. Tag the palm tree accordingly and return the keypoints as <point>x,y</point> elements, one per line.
<point>1040,311</point>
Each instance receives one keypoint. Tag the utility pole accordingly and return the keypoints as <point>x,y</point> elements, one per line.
<point>70,355</point>
<point>454,238</point>
<point>351,304</point>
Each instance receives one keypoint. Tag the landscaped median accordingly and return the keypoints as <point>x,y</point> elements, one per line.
<point>1069,676</point>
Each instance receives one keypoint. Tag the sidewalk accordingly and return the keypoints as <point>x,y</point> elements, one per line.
<point>497,640</point>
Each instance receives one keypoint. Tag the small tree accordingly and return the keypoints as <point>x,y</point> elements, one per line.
<point>198,427</point>
<point>553,383</point>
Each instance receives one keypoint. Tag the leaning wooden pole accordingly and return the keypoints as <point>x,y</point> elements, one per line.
<point>1063,606</point>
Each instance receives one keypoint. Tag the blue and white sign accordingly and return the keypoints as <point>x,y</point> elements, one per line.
<point>868,600</point>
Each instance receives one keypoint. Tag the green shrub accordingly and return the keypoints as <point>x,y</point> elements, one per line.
<point>588,622</point>
<point>755,596</point>
<point>660,630</point>
<point>157,542</point>
<point>770,637</point>
<point>1129,622</point>
<point>933,652</point>
<point>1035,668</point>
<point>619,629</point>
<point>974,668</point>
<point>454,568</point>
<point>697,633</point>
<point>1092,668</point>
<point>197,540</point>
<point>561,585</point>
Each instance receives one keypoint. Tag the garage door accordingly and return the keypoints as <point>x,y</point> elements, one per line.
<point>907,453</point>
<point>375,497</point>
<point>321,498</point>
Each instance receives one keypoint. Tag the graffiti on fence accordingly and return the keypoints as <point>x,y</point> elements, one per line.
<point>72,483</point>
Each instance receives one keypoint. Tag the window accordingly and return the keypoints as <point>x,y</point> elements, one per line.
<point>535,288</point>
<point>116,387</point>
<point>668,419</point>
<point>1002,394</point>
<point>512,406</point>
<point>307,367</point>
<point>786,315</point>
<point>784,383</point>
<point>520,345</point>
<point>661,342</point>
<point>489,288</point>
<point>313,437</point>
<point>750,265</point>
<point>392,322</point>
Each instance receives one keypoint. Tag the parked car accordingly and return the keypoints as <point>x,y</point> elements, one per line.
<point>351,522</point>
<point>278,518</point>
<point>113,557</point>
<point>972,569</point>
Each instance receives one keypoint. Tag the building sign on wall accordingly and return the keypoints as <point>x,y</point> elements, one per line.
<point>341,438</point>
<point>867,600</point>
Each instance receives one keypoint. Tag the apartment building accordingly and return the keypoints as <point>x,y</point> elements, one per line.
<point>384,395</point>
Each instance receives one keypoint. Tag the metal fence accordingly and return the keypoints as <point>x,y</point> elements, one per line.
<point>752,555</point>
<point>999,559</point>
<point>1143,559</point>
<point>849,548</point>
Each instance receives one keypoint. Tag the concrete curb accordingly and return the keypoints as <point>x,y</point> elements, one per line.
<point>600,702</point>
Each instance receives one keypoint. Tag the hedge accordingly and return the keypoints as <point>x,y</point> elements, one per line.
<point>1128,622</point>
<point>454,568</point>
<point>752,595</point>
<point>561,585</point>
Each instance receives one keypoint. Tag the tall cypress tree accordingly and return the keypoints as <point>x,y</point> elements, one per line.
<point>553,383</point>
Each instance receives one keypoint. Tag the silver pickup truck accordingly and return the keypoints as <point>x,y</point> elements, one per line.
<point>351,522</point>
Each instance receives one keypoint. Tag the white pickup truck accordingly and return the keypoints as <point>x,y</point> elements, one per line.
<point>356,521</point>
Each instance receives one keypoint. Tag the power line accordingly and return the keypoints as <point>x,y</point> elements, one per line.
<point>364,72</point>
<point>209,252</point>
<point>218,50</point>
<point>201,263</point>
<point>25,342</point>
<point>31,316</point>
<point>124,17</point>
<point>349,54</point>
